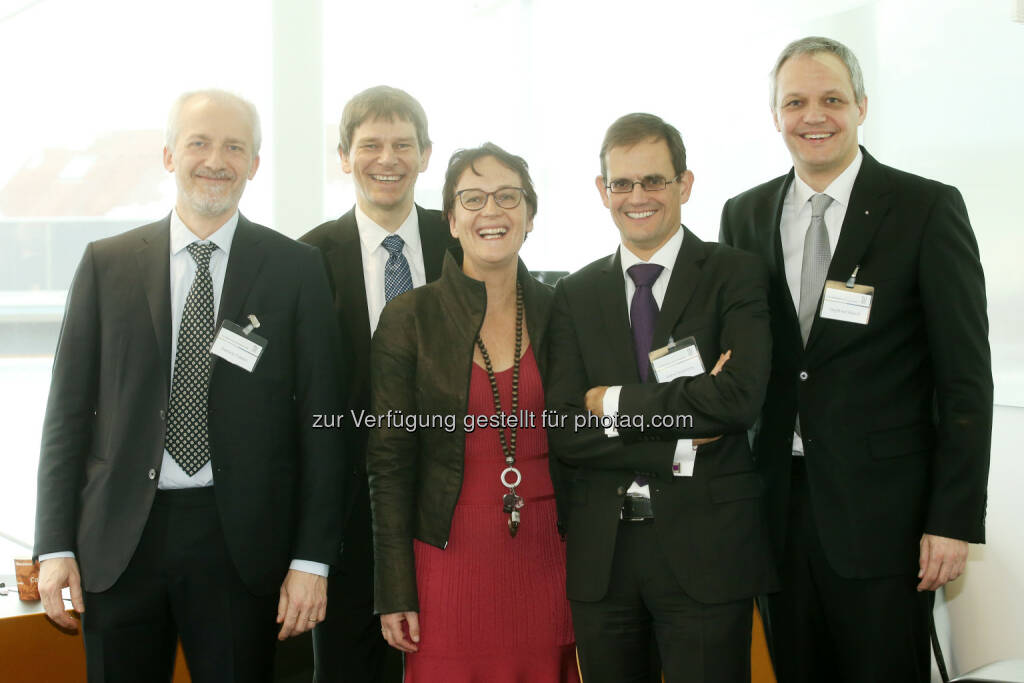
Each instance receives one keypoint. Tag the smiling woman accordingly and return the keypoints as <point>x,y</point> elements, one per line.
<point>475,589</point>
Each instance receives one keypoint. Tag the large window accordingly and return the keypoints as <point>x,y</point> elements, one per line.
<point>87,86</point>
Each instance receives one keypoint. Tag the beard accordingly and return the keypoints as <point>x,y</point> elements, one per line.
<point>211,201</point>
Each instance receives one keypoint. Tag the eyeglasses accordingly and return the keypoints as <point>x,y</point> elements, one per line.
<point>505,197</point>
<point>650,183</point>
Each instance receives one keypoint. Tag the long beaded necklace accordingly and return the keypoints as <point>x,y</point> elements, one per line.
<point>511,502</point>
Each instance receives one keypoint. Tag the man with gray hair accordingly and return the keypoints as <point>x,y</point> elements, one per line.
<point>874,438</point>
<point>183,492</point>
<point>384,246</point>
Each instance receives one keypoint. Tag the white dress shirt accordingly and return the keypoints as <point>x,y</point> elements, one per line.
<point>796,216</point>
<point>666,258</point>
<point>375,256</point>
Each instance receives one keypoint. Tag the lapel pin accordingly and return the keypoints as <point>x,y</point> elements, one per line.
<point>866,212</point>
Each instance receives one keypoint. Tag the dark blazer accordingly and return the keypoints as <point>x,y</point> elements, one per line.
<point>896,415</point>
<point>422,363</point>
<point>277,480</point>
<point>709,525</point>
<point>338,241</point>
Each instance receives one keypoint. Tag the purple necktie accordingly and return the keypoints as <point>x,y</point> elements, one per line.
<point>643,312</point>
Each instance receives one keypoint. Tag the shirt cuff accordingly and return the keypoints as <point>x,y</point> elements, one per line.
<point>684,458</point>
<point>610,407</point>
<point>317,568</point>
<point>62,553</point>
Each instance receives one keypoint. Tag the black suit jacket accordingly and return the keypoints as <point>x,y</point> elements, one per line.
<point>277,480</point>
<point>709,525</point>
<point>338,241</point>
<point>896,415</point>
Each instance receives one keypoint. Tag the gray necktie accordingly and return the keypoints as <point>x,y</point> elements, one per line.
<point>188,436</point>
<point>817,256</point>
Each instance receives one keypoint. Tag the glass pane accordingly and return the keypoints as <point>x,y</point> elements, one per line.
<point>88,86</point>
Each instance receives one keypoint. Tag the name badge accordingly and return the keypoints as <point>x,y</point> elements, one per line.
<point>239,345</point>
<point>678,359</point>
<point>851,304</point>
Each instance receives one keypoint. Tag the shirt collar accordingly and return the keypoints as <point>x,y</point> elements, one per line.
<point>181,236</point>
<point>839,189</point>
<point>665,256</point>
<point>371,234</point>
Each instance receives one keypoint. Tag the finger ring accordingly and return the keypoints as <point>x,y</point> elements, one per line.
<point>312,619</point>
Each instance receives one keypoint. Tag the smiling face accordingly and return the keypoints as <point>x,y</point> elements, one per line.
<point>385,160</point>
<point>491,237</point>
<point>818,116</point>
<point>646,219</point>
<point>212,159</point>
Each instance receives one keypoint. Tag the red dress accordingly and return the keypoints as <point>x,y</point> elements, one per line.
<point>493,607</point>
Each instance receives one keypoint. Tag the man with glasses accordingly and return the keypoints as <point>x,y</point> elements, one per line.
<point>874,440</point>
<point>383,247</point>
<point>666,540</point>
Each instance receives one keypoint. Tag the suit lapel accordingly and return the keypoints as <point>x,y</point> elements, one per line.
<point>244,264</point>
<point>347,265</point>
<point>154,261</point>
<point>869,203</point>
<point>432,244</point>
<point>681,285</point>
<point>615,315</point>
<point>776,259</point>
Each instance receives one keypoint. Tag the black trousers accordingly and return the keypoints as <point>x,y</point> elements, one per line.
<point>347,645</point>
<point>180,583</point>
<point>823,627</point>
<point>697,643</point>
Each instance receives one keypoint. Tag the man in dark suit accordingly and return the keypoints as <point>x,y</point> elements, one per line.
<point>384,246</point>
<point>874,440</point>
<point>181,487</point>
<point>666,540</point>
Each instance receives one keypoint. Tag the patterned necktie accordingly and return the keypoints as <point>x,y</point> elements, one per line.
<point>397,278</point>
<point>817,256</point>
<point>188,436</point>
<point>643,311</point>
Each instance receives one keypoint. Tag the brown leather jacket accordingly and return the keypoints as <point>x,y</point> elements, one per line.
<point>421,363</point>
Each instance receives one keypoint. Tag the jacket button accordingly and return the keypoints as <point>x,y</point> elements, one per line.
<point>163,415</point>
<point>803,375</point>
<point>152,474</point>
<point>621,490</point>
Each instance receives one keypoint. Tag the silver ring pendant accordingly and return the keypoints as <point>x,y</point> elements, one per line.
<point>504,475</point>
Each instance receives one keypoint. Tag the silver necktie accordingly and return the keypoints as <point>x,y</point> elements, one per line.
<point>817,256</point>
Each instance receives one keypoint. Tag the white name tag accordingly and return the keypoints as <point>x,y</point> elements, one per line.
<point>236,346</point>
<point>680,359</point>
<point>848,304</point>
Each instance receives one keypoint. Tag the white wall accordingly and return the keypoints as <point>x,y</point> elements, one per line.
<point>986,606</point>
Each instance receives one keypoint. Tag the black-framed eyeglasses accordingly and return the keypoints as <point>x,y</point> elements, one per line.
<point>650,183</point>
<point>506,197</point>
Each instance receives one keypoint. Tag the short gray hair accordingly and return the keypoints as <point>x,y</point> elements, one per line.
<point>812,45</point>
<point>171,131</point>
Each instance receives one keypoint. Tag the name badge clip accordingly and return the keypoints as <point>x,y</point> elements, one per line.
<point>853,278</point>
